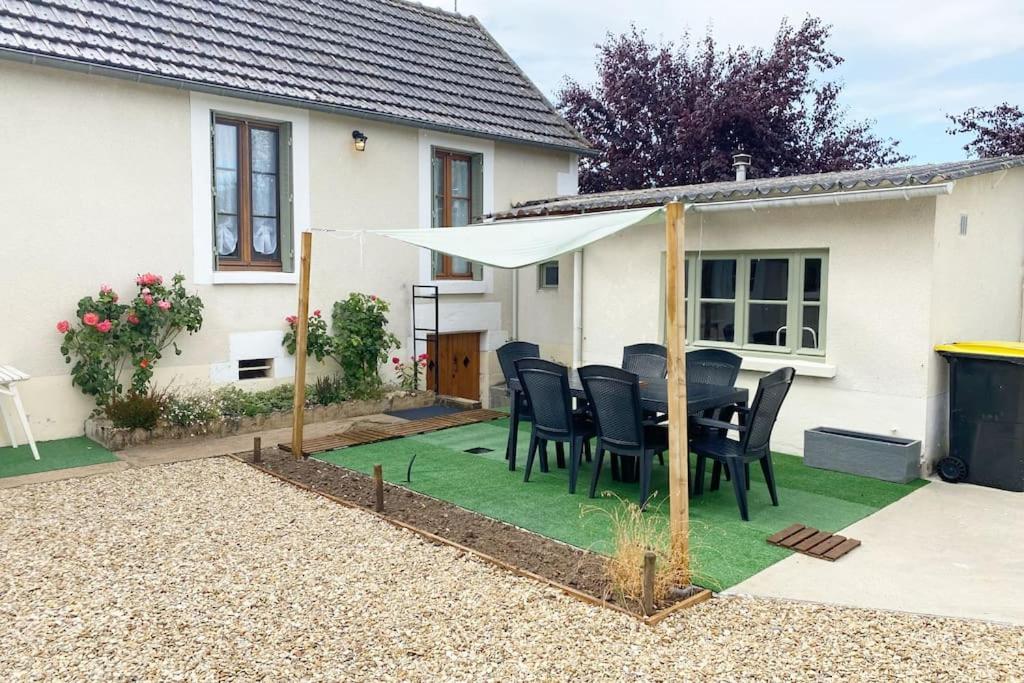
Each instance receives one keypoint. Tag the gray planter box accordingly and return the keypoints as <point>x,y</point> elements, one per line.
<point>868,455</point>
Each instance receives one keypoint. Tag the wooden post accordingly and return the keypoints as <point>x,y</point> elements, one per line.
<point>301,332</point>
<point>256,450</point>
<point>378,488</point>
<point>648,589</point>
<point>679,456</point>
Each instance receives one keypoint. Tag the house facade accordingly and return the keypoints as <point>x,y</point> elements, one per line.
<point>202,138</point>
<point>851,278</point>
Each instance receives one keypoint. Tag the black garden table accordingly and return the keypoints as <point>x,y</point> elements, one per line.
<point>653,397</point>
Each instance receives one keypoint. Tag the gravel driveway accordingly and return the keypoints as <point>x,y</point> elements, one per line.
<point>209,570</point>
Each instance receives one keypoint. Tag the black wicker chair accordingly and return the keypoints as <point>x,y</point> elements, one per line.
<point>508,354</point>
<point>714,366</point>
<point>646,360</point>
<point>753,445</point>
<point>614,397</point>
<point>546,386</point>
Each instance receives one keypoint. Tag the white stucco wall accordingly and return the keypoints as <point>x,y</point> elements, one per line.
<point>103,189</point>
<point>900,280</point>
<point>977,280</point>
<point>878,295</point>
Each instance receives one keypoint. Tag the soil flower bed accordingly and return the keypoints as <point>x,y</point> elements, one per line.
<point>583,573</point>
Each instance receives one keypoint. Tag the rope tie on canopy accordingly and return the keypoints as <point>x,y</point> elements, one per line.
<point>358,235</point>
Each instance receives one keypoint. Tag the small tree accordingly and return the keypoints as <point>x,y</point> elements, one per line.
<point>997,132</point>
<point>362,342</point>
<point>113,342</point>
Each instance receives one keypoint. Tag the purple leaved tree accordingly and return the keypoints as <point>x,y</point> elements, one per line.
<point>997,132</point>
<point>667,114</point>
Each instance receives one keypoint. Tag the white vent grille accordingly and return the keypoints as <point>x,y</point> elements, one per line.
<point>963,225</point>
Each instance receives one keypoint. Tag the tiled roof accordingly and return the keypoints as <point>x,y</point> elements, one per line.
<point>385,59</point>
<point>890,176</point>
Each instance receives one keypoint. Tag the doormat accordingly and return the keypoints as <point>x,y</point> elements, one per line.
<point>809,541</point>
<point>423,413</point>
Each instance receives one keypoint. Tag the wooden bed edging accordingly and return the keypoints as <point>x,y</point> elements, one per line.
<point>651,620</point>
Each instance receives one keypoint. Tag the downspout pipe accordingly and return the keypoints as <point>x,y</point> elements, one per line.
<point>515,304</point>
<point>577,308</point>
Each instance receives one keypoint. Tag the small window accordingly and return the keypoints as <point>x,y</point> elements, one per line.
<point>255,368</point>
<point>455,202</point>
<point>251,199</point>
<point>547,275</point>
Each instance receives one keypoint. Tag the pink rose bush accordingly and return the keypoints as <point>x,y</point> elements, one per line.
<point>357,340</point>
<point>319,343</point>
<point>116,347</point>
<point>408,374</point>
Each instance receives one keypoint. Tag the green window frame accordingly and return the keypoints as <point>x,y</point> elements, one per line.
<point>547,275</point>
<point>753,300</point>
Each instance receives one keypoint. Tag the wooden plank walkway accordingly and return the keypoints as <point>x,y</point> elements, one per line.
<point>810,541</point>
<point>358,437</point>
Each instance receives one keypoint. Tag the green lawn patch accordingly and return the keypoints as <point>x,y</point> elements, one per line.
<point>53,455</point>
<point>726,550</point>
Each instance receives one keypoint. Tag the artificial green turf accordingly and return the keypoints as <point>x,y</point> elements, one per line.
<point>725,549</point>
<point>53,455</point>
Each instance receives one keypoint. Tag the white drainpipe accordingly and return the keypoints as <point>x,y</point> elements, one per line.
<point>515,303</point>
<point>577,308</point>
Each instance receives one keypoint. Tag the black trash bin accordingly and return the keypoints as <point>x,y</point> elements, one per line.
<point>986,414</point>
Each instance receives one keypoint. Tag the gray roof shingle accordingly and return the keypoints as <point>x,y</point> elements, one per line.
<point>384,59</point>
<point>889,176</point>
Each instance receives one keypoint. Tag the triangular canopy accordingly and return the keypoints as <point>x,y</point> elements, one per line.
<point>519,243</point>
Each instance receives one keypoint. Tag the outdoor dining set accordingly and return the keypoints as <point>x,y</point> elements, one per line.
<point>625,410</point>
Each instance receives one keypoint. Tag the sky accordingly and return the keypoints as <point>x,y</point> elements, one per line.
<point>908,63</point>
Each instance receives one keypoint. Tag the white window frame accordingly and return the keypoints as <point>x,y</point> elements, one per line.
<point>428,141</point>
<point>202,107</point>
<point>795,302</point>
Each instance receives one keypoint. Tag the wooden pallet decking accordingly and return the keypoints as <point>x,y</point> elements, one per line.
<point>358,437</point>
<point>810,541</point>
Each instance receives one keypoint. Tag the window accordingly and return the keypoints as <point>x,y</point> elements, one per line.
<point>455,202</point>
<point>255,368</point>
<point>252,195</point>
<point>771,301</point>
<point>547,275</point>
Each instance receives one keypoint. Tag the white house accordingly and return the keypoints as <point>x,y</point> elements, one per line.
<point>202,137</point>
<point>851,278</point>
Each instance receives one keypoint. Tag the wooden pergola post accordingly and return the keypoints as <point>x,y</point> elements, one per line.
<point>301,335</point>
<point>679,452</point>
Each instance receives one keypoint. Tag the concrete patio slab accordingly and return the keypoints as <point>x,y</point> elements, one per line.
<point>946,549</point>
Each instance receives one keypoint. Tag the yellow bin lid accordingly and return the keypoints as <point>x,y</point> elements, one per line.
<point>991,349</point>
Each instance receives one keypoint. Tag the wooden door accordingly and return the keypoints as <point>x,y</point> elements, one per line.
<point>459,358</point>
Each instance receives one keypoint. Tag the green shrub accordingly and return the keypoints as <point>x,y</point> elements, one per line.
<point>135,411</point>
<point>362,342</point>
<point>327,390</point>
<point>235,402</point>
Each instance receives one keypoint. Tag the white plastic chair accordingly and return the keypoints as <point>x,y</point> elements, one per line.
<point>9,376</point>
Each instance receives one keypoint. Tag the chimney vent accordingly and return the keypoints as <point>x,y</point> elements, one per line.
<point>741,162</point>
